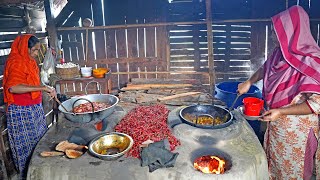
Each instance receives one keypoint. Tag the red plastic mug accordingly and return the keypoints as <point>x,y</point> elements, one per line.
<point>252,106</point>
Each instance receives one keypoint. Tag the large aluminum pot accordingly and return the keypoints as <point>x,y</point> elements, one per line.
<point>214,111</point>
<point>89,116</point>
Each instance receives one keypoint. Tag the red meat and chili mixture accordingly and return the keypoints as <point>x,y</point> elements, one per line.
<point>87,107</point>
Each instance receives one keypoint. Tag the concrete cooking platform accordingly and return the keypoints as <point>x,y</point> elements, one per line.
<point>237,142</point>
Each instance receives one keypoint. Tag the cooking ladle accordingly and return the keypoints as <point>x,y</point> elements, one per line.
<point>232,105</point>
<point>59,102</point>
<point>234,102</point>
<point>201,115</point>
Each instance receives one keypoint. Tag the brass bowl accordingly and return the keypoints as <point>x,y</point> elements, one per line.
<point>110,146</point>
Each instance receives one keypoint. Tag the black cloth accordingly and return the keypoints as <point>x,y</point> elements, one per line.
<point>157,155</point>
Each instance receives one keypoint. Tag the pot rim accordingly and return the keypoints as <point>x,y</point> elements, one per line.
<point>225,124</point>
<point>62,110</point>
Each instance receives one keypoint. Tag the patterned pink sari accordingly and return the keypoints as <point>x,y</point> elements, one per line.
<point>292,76</point>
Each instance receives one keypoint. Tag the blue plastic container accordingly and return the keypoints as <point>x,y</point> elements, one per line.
<point>227,92</point>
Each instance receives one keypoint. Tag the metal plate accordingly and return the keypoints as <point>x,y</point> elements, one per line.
<point>251,118</point>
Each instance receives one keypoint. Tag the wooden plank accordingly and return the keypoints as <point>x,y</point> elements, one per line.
<point>178,96</point>
<point>150,49</point>
<point>11,11</point>
<point>181,40</point>
<point>1,69</point>
<point>142,51</point>
<point>182,33</point>
<point>3,59</point>
<point>152,86</point>
<point>258,36</point>
<point>81,49</point>
<point>66,49</point>
<point>100,44</point>
<point>112,61</point>
<point>122,53</point>
<point>121,43</point>
<point>132,48</point>
<point>150,42</point>
<point>112,54</point>
<point>196,48</point>
<point>163,81</point>
<point>12,23</point>
<point>181,58</point>
<point>210,46</point>
<point>181,46</point>
<point>73,47</point>
<point>5,45</point>
<point>141,42</point>
<point>110,42</point>
<point>182,52</point>
<point>90,51</point>
<point>162,46</point>
<point>132,42</point>
<point>183,64</point>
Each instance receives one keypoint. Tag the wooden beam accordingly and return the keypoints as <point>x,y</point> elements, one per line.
<point>11,11</point>
<point>10,37</point>
<point>169,24</point>
<point>51,28</point>
<point>10,2</point>
<point>210,46</point>
<point>12,23</point>
<point>119,60</point>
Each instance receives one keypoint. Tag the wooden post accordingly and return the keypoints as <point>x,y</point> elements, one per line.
<point>51,28</point>
<point>210,46</point>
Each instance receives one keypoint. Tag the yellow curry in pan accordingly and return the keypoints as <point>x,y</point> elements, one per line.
<point>203,119</point>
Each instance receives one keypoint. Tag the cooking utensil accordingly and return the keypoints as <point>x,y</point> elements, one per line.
<point>86,117</point>
<point>59,102</point>
<point>214,111</point>
<point>110,146</point>
<point>234,102</point>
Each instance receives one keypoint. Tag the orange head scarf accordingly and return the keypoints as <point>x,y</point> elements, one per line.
<point>20,68</point>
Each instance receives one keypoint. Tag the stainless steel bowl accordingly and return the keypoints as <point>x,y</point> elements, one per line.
<point>110,146</point>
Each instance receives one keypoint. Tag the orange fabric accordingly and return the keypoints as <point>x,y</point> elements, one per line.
<point>20,68</point>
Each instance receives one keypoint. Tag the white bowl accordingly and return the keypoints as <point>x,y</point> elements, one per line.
<point>86,71</point>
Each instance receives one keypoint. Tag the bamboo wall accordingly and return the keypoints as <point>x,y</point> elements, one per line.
<point>171,41</point>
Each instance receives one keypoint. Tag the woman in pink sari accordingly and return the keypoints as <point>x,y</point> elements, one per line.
<point>291,89</point>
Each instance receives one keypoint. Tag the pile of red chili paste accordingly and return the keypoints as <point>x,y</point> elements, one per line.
<point>147,123</point>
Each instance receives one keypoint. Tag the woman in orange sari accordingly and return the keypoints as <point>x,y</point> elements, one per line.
<point>291,89</point>
<point>23,95</point>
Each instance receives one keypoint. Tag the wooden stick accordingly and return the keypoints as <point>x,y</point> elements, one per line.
<point>151,86</point>
<point>87,42</point>
<point>179,72</point>
<point>51,153</point>
<point>212,76</point>
<point>177,96</point>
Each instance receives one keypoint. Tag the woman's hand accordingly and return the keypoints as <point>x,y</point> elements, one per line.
<point>51,91</point>
<point>244,87</point>
<point>271,115</point>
